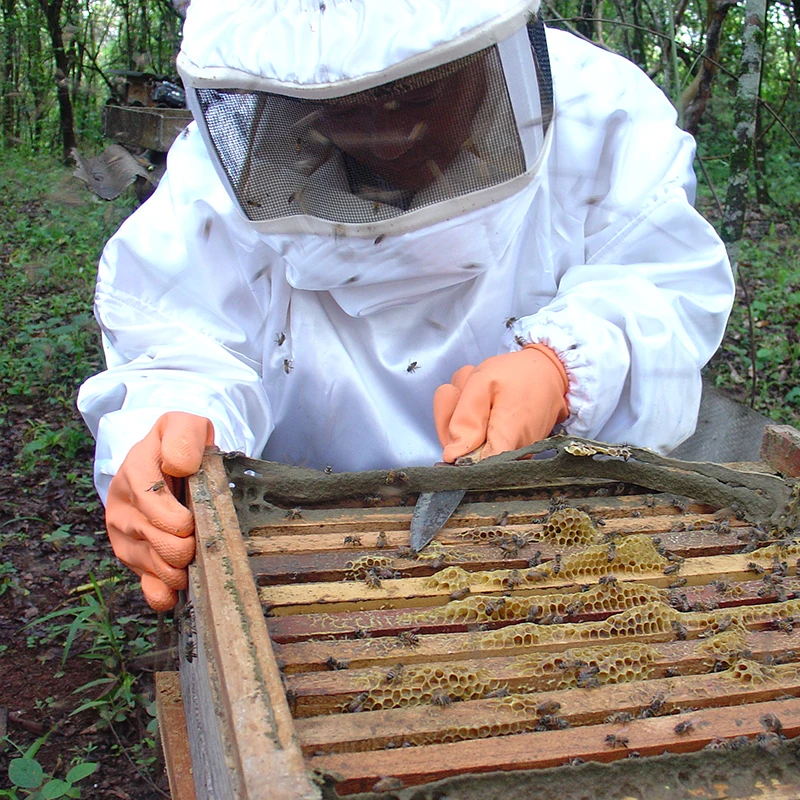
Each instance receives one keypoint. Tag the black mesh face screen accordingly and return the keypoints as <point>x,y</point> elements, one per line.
<point>369,156</point>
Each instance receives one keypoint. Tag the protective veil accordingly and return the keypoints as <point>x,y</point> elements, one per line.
<point>309,299</point>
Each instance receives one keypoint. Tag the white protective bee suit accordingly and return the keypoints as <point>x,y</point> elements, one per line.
<point>317,337</point>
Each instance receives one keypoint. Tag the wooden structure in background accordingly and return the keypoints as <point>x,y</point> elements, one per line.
<point>319,655</point>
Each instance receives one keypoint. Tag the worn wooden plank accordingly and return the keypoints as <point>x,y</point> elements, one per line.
<point>780,448</point>
<point>472,719</point>
<point>452,616</point>
<point>314,693</point>
<point>174,736</point>
<point>516,508</point>
<point>329,564</point>
<point>350,595</point>
<point>251,689</point>
<point>394,533</point>
<point>353,772</point>
<point>653,622</point>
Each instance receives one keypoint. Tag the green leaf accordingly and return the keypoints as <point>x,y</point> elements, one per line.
<point>55,788</point>
<point>81,771</point>
<point>27,773</point>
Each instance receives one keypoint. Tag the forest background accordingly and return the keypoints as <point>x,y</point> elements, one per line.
<point>77,644</point>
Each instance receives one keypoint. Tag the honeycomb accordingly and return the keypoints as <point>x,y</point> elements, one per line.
<point>599,598</point>
<point>483,534</point>
<point>436,551</point>
<point>779,551</point>
<point>750,672</point>
<point>420,684</point>
<point>723,647</point>
<point>647,619</point>
<point>744,615</point>
<point>634,555</point>
<point>585,667</point>
<point>450,579</point>
<point>358,568</point>
<point>569,527</point>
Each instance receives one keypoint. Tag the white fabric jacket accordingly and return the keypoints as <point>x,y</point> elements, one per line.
<point>316,350</point>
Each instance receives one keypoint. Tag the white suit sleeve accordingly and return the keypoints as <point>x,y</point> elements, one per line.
<point>635,322</point>
<point>182,328</point>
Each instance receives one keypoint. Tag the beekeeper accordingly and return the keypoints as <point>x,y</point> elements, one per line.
<point>391,221</point>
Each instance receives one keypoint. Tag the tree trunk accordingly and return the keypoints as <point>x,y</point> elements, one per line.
<point>8,86</point>
<point>744,125</point>
<point>584,24</point>
<point>52,13</point>
<point>760,160</point>
<point>700,92</point>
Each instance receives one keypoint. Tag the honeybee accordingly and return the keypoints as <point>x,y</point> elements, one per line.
<point>440,698</point>
<point>408,638</point>
<point>394,672</point>
<point>612,740</point>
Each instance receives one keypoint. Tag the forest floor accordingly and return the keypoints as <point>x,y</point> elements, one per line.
<point>78,646</point>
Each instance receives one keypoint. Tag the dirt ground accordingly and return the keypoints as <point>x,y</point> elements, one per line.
<point>36,692</point>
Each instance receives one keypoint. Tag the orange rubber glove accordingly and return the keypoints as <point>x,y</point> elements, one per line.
<point>508,401</point>
<point>150,531</point>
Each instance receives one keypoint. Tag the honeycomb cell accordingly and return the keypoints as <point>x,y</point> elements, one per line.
<point>358,568</point>
<point>751,673</point>
<point>419,685</point>
<point>449,579</point>
<point>724,647</point>
<point>585,667</point>
<point>569,527</point>
<point>634,555</point>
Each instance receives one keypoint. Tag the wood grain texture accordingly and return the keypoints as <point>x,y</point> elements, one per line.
<point>263,739</point>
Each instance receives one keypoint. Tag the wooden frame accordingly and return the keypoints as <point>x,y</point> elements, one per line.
<point>294,704</point>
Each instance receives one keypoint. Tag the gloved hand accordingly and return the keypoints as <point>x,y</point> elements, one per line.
<point>508,401</point>
<point>150,531</point>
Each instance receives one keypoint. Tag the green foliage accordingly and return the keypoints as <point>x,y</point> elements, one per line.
<point>8,577</point>
<point>29,779</point>
<point>52,233</point>
<point>770,268</point>
<point>108,639</point>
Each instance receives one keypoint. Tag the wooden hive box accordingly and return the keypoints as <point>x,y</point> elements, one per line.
<point>585,603</point>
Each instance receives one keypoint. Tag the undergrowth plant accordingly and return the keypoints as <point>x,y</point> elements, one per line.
<point>109,639</point>
<point>29,779</point>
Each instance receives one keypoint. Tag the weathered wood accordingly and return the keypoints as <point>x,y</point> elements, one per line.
<point>388,622</point>
<point>760,496</point>
<point>781,449</point>
<point>355,772</point>
<point>315,693</point>
<point>652,623</point>
<point>471,616</point>
<point>471,513</point>
<point>426,724</point>
<point>262,732</point>
<point>349,595</point>
<point>174,736</point>
<point>327,557</point>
